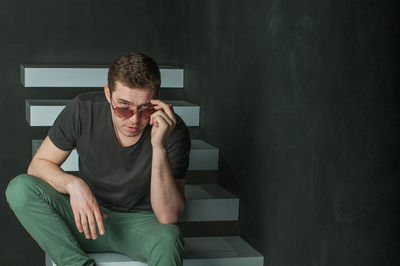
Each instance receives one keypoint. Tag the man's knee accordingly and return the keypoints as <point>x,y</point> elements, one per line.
<point>170,236</point>
<point>19,190</point>
<point>168,247</point>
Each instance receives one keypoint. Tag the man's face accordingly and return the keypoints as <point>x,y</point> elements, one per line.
<point>132,98</point>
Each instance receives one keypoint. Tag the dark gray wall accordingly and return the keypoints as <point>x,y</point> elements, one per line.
<point>62,32</point>
<point>300,96</point>
<point>302,99</point>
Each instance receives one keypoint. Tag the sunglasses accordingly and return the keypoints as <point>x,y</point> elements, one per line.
<point>144,112</point>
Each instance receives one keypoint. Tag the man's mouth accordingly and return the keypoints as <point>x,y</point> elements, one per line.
<point>132,129</point>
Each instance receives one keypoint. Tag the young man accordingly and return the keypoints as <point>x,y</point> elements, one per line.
<point>133,154</point>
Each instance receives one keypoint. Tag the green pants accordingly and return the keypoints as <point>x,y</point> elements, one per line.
<point>47,216</point>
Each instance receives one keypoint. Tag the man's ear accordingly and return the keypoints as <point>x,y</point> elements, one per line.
<point>107,92</point>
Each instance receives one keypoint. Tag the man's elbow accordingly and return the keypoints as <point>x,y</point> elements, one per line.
<point>170,218</point>
<point>31,169</point>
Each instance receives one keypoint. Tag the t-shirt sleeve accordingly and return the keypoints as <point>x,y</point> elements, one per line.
<point>66,127</point>
<point>179,146</point>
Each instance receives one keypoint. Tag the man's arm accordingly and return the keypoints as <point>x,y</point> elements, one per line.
<point>46,166</point>
<point>166,195</point>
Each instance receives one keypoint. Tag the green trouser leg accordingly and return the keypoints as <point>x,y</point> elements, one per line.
<point>44,213</point>
<point>47,216</point>
<point>140,236</point>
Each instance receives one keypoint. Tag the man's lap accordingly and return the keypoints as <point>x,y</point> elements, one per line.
<point>134,234</point>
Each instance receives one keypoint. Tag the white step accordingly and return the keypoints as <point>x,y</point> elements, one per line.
<point>209,202</point>
<point>45,112</point>
<point>84,76</point>
<point>203,156</point>
<point>199,251</point>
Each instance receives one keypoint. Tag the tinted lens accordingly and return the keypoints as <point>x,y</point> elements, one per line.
<point>126,113</point>
<point>145,114</point>
<point>123,112</point>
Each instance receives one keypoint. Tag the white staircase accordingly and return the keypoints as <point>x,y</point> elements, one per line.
<point>45,112</point>
<point>205,202</point>
<point>89,76</point>
<point>199,251</point>
<point>203,156</point>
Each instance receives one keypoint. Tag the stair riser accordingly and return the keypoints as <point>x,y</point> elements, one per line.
<point>46,115</point>
<point>211,210</point>
<point>36,76</point>
<point>198,160</point>
<point>209,228</point>
<point>204,160</point>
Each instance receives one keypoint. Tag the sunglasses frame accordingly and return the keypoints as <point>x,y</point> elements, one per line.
<point>131,111</point>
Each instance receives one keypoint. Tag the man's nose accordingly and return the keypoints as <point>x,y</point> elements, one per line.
<point>135,117</point>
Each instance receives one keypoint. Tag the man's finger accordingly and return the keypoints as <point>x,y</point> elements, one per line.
<point>78,221</point>
<point>166,118</point>
<point>92,225</point>
<point>85,227</point>
<point>99,220</point>
<point>161,121</point>
<point>166,107</point>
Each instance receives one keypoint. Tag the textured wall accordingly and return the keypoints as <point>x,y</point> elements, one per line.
<point>75,32</point>
<point>300,96</point>
<point>302,99</point>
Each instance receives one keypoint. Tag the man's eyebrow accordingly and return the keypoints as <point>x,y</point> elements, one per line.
<point>130,103</point>
<point>123,100</point>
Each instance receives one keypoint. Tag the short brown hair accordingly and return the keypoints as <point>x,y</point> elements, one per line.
<point>135,70</point>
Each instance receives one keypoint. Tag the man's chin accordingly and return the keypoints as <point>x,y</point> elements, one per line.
<point>131,135</point>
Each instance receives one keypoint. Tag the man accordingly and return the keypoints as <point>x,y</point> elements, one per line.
<point>133,154</point>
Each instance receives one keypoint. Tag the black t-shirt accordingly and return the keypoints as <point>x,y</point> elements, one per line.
<point>118,176</point>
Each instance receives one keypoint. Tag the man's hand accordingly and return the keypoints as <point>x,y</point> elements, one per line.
<point>86,209</point>
<point>163,122</point>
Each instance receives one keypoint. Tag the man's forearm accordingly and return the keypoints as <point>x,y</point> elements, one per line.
<point>52,174</point>
<point>167,200</point>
